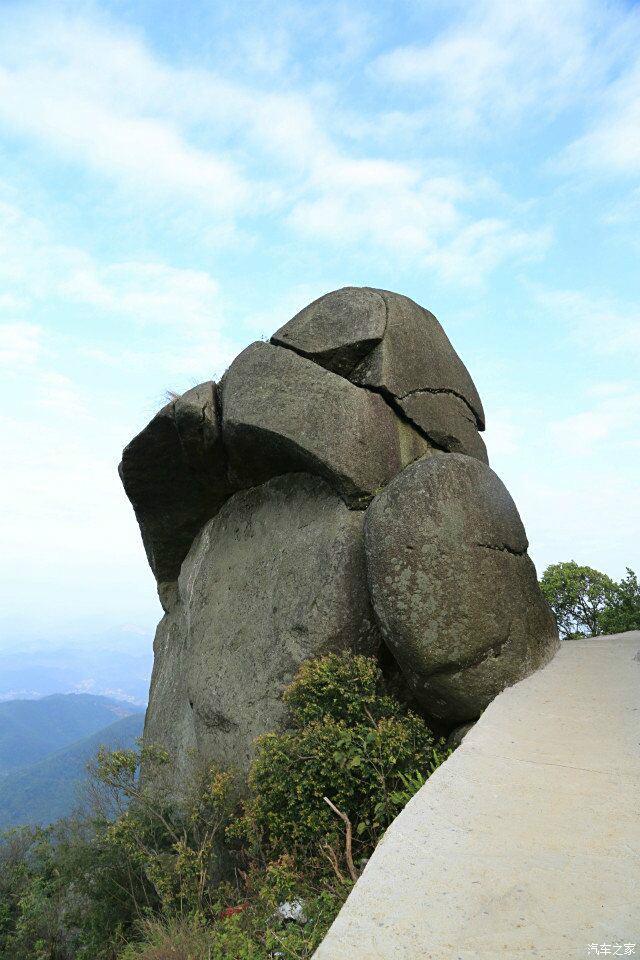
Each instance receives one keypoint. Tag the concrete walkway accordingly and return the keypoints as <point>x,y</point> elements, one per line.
<point>526,842</point>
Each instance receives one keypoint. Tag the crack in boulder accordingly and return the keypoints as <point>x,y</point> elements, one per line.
<point>502,548</point>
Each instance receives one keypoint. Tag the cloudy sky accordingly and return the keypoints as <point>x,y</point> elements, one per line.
<point>178,179</point>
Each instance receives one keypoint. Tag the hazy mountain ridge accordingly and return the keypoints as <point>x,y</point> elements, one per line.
<point>52,787</point>
<point>112,663</point>
<point>31,730</point>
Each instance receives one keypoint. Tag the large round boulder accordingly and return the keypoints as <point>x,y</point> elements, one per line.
<point>276,577</point>
<point>454,591</point>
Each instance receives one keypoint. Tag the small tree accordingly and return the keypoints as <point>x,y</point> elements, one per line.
<point>578,596</point>
<point>173,851</point>
<point>623,609</point>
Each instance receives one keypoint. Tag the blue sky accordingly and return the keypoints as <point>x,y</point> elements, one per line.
<point>177,180</point>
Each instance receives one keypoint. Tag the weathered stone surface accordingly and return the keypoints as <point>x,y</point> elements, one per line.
<point>447,421</point>
<point>169,721</point>
<point>416,354</point>
<point>338,329</point>
<point>175,475</point>
<point>276,577</point>
<point>453,589</point>
<point>283,413</point>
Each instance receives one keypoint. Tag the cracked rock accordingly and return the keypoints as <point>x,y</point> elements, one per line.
<point>283,413</point>
<point>447,421</point>
<point>463,621</point>
<point>357,423</point>
<point>337,330</point>
<point>416,354</point>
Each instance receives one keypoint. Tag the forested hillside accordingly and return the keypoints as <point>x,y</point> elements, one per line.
<point>31,730</point>
<point>52,787</point>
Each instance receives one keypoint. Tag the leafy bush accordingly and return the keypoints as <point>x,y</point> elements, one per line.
<point>142,878</point>
<point>65,897</point>
<point>174,852</point>
<point>349,742</point>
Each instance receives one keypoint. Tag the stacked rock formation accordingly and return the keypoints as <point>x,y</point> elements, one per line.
<point>332,493</point>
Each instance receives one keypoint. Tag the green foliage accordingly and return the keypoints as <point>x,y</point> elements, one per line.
<point>577,596</point>
<point>346,689</point>
<point>66,894</point>
<point>254,932</point>
<point>588,603</point>
<point>174,851</point>
<point>52,788</point>
<point>80,889</point>
<point>142,878</point>
<point>349,742</point>
<point>623,610</point>
<point>31,730</point>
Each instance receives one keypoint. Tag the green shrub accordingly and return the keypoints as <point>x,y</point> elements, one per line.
<point>143,879</point>
<point>349,742</point>
<point>254,933</point>
<point>174,853</point>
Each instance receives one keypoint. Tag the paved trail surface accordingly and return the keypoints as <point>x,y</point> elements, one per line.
<point>526,842</point>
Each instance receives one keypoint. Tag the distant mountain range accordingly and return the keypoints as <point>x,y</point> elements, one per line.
<point>109,665</point>
<point>45,746</point>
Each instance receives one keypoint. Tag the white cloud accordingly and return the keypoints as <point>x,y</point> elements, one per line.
<point>626,211</point>
<point>612,422</point>
<point>392,207</point>
<point>20,344</point>
<point>61,396</point>
<point>611,145</point>
<point>185,304</point>
<point>194,137</point>
<point>70,537</point>
<point>574,477</point>
<point>150,293</point>
<point>499,60</point>
<point>598,323</point>
<point>481,246</point>
<point>90,94</point>
<point>503,436</point>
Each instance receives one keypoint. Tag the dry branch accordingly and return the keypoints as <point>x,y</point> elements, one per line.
<point>353,873</point>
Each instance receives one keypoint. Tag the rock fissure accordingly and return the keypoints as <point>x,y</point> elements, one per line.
<point>450,393</point>
<point>337,331</point>
<point>389,399</point>
<point>393,405</point>
<point>292,511</point>
<point>502,548</point>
